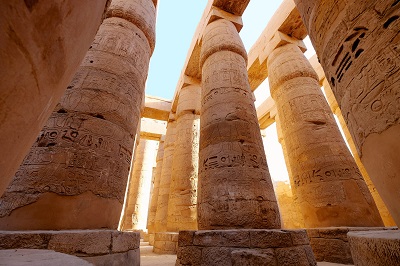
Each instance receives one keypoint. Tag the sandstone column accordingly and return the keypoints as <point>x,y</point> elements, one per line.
<point>42,45</point>
<point>182,205</point>
<point>384,212</point>
<point>160,223</point>
<point>154,196</point>
<point>235,189</point>
<point>75,174</point>
<point>358,47</point>
<point>138,196</point>
<point>327,182</point>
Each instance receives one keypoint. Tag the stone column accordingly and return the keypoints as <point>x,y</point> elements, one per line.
<point>138,196</point>
<point>160,223</point>
<point>235,188</point>
<point>182,206</point>
<point>327,182</point>
<point>75,174</point>
<point>358,47</point>
<point>154,196</point>
<point>42,45</point>
<point>384,212</point>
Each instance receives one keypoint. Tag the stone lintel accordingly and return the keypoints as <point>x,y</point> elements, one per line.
<point>331,243</point>
<point>165,243</point>
<point>152,129</point>
<point>236,7</point>
<point>96,246</point>
<point>287,20</point>
<point>375,248</point>
<point>156,108</point>
<point>318,68</point>
<point>214,10</point>
<point>266,113</point>
<point>244,247</point>
<point>279,39</point>
<point>183,82</point>
<point>172,117</point>
<point>258,70</point>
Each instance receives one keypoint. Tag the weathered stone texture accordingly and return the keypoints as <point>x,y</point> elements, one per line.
<point>165,243</point>
<point>138,196</point>
<point>182,206</point>
<point>328,185</point>
<point>235,189</point>
<point>100,247</point>
<point>375,248</point>
<point>244,247</point>
<point>160,224</point>
<point>383,211</point>
<point>358,47</point>
<point>331,244</point>
<point>288,206</point>
<point>75,174</point>
<point>154,195</point>
<point>34,36</point>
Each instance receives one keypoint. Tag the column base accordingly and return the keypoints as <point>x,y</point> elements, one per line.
<point>331,244</point>
<point>375,248</point>
<point>165,243</point>
<point>99,247</point>
<point>245,247</point>
<point>151,239</point>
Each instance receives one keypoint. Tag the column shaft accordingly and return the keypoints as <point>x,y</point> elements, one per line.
<point>235,188</point>
<point>156,189</point>
<point>75,174</point>
<point>160,224</point>
<point>182,206</point>
<point>138,196</point>
<point>358,47</point>
<point>327,182</point>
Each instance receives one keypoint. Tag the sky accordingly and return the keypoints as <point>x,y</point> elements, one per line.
<point>176,23</point>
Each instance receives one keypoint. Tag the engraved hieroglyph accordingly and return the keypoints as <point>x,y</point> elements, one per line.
<point>160,224</point>
<point>235,189</point>
<point>384,212</point>
<point>358,45</point>
<point>75,174</point>
<point>156,188</point>
<point>138,196</point>
<point>326,180</point>
<point>42,44</point>
<point>182,205</point>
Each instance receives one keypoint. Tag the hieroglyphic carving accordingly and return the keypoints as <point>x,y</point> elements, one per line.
<point>358,46</point>
<point>322,168</point>
<point>86,145</point>
<point>235,189</point>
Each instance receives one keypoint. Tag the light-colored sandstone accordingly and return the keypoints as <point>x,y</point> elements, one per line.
<point>358,47</point>
<point>138,196</point>
<point>35,257</point>
<point>75,175</point>
<point>329,187</point>
<point>182,206</point>
<point>160,222</point>
<point>375,248</point>
<point>100,247</point>
<point>156,108</point>
<point>156,190</point>
<point>235,189</point>
<point>41,48</point>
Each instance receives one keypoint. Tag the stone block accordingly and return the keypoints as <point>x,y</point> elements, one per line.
<point>253,257</point>
<point>298,256</point>
<point>216,256</point>
<point>270,238</point>
<point>331,250</point>
<point>375,248</point>
<point>121,242</point>
<point>299,237</point>
<point>188,256</point>
<point>185,238</point>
